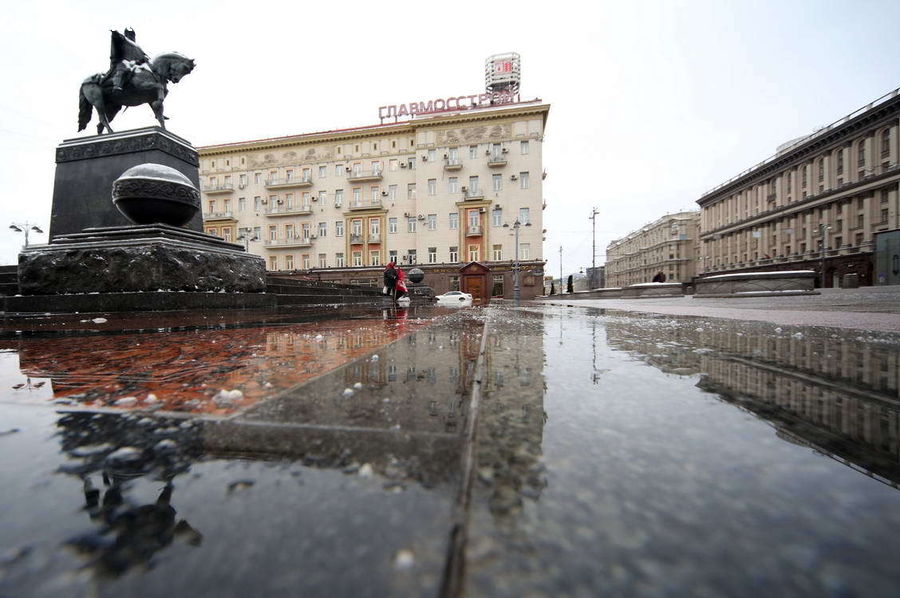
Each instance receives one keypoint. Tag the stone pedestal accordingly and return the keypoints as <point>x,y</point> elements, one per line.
<point>87,166</point>
<point>139,258</point>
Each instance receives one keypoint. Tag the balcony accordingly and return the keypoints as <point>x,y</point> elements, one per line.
<point>371,205</point>
<point>359,176</point>
<point>472,194</point>
<point>289,183</point>
<point>473,231</point>
<point>452,164</point>
<point>288,242</point>
<point>356,239</point>
<point>214,189</point>
<point>374,238</point>
<point>497,159</point>
<point>283,210</point>
<point>215,216</point>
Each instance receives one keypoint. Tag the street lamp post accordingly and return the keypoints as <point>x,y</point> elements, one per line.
<point>246,236</point>
<point>517,291</point>
<point>25,227</point>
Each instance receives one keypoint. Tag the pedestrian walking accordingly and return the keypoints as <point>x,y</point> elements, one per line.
<point>390,280</point>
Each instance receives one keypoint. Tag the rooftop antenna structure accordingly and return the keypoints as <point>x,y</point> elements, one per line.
<point>503,74</point>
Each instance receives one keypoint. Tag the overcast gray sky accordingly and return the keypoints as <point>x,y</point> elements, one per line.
<point>653,102</point>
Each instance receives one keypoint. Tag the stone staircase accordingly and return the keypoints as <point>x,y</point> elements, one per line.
<point>295,292</point>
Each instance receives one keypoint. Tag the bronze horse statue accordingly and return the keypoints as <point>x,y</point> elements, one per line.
<point>131,81</point>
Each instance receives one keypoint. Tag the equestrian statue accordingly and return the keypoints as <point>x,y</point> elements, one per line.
<point>132,79</point>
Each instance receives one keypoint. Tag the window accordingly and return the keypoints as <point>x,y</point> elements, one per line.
<point>410,191</point>
<point>411,256</point>
<point>306,198</point>
<point>498,252</point>
<point>357,258</point>
<point>357,196</point>
<point>392,165</point>
<point>306,231</point>
<point>242,179</point>
<point>392,192</point>
<point>524,251</point>
<point>411,163</point>
<point>454,281</point>
<point>375,257</point>
<point>860,221</point>
<point>257,177</point>
<point>861,153</point>
<point>242,204</point>
<point>339,228</point>
<point>523,148</point>
<point>454,257</point>
<point>884,216</point>
<point>289,262</point>
<point>432,155</point>
<point>392,255</point>
<point>288,174</point>
<point>374,194</point>
<point>323,197</point>
<point>322,261</point>
<point>339,260</point>
<point>306,261</point>
<point>523,180</point>
<point>374,228</point>
<point>356,227</point>
<point>376,167</point>
<point>273,262</point>
<point>338,197</point>
<point>273,233</point>
<point>227,205</point>
<point>839,167</point>
<point>473,185</point>
<point>432,186</point>
<point>323,229</point>
<point>453,184</point>
<point>432,222</point>
<point>473,152</point>
<point>226,233</point>
<point>497,182</point>
<point>454,221</point>
<point>524,216</point>
<point>497,288</point>
<point>432,255</point>
<point>885,143</point>
<point>323,172</point>
<point>497,218</point>
<point>392,225</point>
<point>338,170</point>
<point>474,218</point>
<point>411,224</point>
<point>473,253</point>
<point>212,206</point>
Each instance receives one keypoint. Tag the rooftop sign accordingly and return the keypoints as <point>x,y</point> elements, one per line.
<point>451,104</point>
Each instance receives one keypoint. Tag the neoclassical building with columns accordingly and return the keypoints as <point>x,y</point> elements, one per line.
<point>667,245</point>
<point>817,204</point>
<point>438,192</point>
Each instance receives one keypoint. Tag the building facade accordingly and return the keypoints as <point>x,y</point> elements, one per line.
<point>436,192</point>
<point>815,205</point>
<point>667,245</point>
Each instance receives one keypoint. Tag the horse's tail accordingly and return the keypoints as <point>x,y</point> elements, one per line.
<point>84,106</point>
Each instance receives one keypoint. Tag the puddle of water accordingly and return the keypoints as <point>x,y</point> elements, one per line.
<point>685,456</point>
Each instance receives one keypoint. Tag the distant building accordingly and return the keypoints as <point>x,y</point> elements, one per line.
<point>667,245</point>
<point>819,201</point>
<point>437,192</point>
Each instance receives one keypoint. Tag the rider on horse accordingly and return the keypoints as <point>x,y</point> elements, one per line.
<point>125,57</point>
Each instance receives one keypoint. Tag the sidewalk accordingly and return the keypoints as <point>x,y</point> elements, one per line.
<point>869,308</point>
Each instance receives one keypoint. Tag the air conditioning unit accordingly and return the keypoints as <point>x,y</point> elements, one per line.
<point>420,217</point>
<point>497,206</point>
<point>482,210</point>
<point>347,169</point>
<point>487,152</point>
<point>504,150</point>
<point>402,164</point>
<point>314,198</point>
<point>446,156</point>
<point>280,201</point>
<point>240,185</point>
<point>384,194</point>
<point>424,158</point>
<point>264,201</point>
<point>311,237</point>
<point>406,214</point>
<point>465,189</point>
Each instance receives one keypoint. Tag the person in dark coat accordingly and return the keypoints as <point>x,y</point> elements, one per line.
<point>659,277</point>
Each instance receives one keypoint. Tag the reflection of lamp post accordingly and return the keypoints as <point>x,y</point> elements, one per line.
<point>25,227</point>
<point>823,229</point>
<point>516,289</point>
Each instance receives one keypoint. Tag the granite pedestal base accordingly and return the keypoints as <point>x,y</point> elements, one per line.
<point>87,166</point>
<point>143,258</point>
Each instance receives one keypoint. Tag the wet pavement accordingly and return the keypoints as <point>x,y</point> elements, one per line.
<point>540,450</point>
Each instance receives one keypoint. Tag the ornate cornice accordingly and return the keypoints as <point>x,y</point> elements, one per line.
<point>101,146</point>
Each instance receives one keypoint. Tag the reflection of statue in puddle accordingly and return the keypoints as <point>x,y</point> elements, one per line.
<point>128,535</point>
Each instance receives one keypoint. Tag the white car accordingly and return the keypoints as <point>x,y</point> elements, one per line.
<point>454,298</point>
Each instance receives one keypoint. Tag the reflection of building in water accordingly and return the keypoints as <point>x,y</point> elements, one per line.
<point>837,394</point>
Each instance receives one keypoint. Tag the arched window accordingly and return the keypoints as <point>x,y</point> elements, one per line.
<point>861,153</point>
<point>886,143</point>
<point>821,169</point>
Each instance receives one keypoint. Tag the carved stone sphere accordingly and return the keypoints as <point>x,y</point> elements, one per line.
<point>153,193</point>
<point>415,275</point>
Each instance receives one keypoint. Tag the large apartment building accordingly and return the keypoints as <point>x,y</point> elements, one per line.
<point>817,204</point>
<point>667,245</point>
<point>438,192</point>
